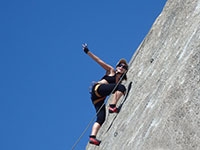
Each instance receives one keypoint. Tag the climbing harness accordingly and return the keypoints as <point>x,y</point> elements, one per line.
<point>98,100</point>
<point>98,110</point>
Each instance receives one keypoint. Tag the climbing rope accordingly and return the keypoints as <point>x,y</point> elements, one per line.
<point>98,112</point>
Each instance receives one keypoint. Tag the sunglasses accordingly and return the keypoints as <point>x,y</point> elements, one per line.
<point>123,66</point>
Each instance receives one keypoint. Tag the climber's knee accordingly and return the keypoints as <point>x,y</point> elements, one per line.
<point>121,88</point>
<point>101,116</point>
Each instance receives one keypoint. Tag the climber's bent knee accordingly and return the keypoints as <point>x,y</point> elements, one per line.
<point>121,88</point>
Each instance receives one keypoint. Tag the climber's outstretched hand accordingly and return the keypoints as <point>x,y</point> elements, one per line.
<point>84,45</point>
<point>85,48</point>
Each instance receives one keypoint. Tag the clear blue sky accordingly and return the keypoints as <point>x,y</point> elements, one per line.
<point>44,79</point>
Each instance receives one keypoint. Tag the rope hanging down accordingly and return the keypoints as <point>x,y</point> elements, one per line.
<point>98,112</point>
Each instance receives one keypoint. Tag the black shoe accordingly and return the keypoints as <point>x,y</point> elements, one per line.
<point>113,110</point>
<point>94,141</point>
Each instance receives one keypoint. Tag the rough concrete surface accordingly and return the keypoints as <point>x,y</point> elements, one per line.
<point>162,110</point>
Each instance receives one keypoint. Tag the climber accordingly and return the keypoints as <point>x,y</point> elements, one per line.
<point>103,88</point>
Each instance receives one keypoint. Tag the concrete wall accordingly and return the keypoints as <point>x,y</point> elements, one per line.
<point>162,110</point>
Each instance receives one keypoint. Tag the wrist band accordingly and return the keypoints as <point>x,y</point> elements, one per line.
<point>86,50</point>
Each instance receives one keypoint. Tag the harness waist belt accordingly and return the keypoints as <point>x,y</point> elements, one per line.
<point>98,100</point>
<point>95,90</point>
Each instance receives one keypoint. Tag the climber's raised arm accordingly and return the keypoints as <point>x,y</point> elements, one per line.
<point>98,60</point>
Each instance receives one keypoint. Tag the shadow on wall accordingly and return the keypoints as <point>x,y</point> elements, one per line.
<point>120,106</point>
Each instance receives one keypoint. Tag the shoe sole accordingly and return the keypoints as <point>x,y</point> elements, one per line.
<point>110,111</point>
<point>91,142</point>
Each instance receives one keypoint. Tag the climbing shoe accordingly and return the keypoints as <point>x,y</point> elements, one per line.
<point>94,141</point>
<point>113,109</point>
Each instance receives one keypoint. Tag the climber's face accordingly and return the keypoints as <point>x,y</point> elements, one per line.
<point>121,68</point>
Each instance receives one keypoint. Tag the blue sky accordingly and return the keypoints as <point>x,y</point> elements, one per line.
<point>45,75</point>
